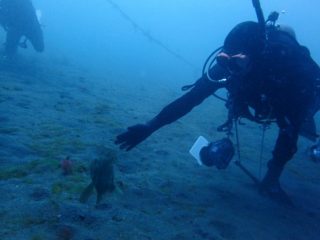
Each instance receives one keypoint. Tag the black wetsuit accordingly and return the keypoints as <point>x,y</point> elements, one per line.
<point>283,79</point>
<point>18,18</point>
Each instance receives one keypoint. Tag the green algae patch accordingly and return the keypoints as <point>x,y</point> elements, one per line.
<point>37,237</point>
<point>70,186</point>
<point>53,145</point>
<point>9,131</point>
<point>23,170</point>
<point>105,121</point>
<point>30,221</point>
<point>49,149</point>
<point>80,167</point>
<point>6,174</point>
<point>57,188</point>
<point>28,181</point>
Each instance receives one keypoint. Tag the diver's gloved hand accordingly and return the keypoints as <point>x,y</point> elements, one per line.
<point>133,136</point>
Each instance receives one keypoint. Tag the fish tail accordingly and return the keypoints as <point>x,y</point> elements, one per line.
<point>86,193</point>
<point>99,197</point>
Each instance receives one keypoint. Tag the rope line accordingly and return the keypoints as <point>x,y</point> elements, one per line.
<point>149,36</point>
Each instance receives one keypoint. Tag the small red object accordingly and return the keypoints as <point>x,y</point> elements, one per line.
<point>66,166</point>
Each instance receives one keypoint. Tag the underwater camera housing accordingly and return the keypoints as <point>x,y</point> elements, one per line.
<point>218,153</point>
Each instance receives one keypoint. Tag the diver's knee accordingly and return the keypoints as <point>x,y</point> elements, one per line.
<point>38,44</point>
<point>36,39</point>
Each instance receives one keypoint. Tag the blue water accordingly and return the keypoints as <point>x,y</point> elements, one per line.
<point>107,66</point>
<point>95,34</point>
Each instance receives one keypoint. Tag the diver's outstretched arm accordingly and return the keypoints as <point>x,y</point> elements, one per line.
<point>172,112</point>
<point>183,105</point>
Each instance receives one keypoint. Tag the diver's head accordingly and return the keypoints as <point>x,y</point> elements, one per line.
<point>245,38</point>
<point>244,43</point>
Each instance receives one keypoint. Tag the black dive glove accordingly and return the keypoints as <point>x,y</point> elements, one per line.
<point>133,136</point>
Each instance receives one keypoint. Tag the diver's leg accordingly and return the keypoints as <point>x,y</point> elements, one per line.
<point>35,36</point>
<point>285,148</point>
<point>12,42</point>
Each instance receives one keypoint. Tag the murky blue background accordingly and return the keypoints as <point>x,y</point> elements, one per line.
<point>94,34</point>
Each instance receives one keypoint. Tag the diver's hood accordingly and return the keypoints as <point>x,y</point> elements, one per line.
<point>246,38</point>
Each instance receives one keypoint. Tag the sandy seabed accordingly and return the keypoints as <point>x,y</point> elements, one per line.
<point>50,112</point>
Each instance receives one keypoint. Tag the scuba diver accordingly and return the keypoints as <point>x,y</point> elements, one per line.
<point>269,77</point>
<point>19,19</point>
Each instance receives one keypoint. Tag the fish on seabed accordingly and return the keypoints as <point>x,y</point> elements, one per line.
<point>102,174</point>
